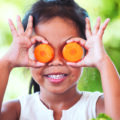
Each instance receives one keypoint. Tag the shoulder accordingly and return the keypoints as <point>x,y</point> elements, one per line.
<point>91,102</point>
<point>92,95</point>
<point>26,99</point>
<point>10,110</point>
<point>96,98</point>
<point>95,101</point>
<point>100,107</point>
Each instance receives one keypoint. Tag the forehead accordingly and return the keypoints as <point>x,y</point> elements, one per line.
<point>57,30</point>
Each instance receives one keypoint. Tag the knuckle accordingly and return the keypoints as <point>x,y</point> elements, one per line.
<point>97,27</point>
<point>30,27</point>
<point>12,29</point>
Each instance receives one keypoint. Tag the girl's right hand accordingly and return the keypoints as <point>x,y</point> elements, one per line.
<point>18,54</point>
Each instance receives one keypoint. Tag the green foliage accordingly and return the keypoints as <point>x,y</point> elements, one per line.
<point>115,56</point>
<point>90,80</point>
<point>102,116</point>
<point>109,9</point>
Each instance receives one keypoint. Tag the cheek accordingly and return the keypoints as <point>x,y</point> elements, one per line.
<point>76,72</point>
<point>37,74</point>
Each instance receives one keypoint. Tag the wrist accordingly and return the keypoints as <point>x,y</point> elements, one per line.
<point>7,62</point>
<point>103,62</point>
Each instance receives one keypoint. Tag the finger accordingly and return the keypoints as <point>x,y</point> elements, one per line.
<point>97,26</point>
<point>12,27</point>
<point>33,63</point>
<point>19,26</point>
<point>29,28</point>
<point>88,28</point>
<point>35,39</point>
<point>78,64</point>
<point>31,53</point>
<point>81,41</point>
<point>103,27</point>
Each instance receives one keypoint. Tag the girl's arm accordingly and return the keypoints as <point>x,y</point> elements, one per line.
<point>5,69</point>
<point>97,57</point>
<point>17,56</point>
<point>111,87</point>
<point>8,111</point>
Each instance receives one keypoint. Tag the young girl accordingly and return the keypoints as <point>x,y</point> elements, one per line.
<point>57,23</point>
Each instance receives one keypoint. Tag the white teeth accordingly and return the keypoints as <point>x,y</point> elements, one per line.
<point>56,76</point>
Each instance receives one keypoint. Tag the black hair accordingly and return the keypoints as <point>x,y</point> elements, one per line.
<point>44,10</point>
<point>34,85</point>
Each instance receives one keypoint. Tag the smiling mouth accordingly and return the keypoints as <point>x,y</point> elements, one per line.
<point>56,78</point>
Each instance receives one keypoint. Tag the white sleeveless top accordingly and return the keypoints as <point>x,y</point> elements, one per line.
<point>33,109</point>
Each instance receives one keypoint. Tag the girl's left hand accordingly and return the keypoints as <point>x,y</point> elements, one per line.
<point>93,45</point>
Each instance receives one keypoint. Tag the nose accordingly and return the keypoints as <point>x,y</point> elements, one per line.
<point>57,61</point>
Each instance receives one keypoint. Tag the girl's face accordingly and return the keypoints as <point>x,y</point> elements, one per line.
<point>56,76</point>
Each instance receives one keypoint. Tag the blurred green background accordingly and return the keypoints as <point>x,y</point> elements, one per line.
<point>90,80</point>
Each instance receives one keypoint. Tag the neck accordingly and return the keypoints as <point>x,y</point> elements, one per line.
<point>58,102</point>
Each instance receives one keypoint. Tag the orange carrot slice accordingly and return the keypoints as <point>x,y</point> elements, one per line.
<point>72,52</point>
<point>43,53</point>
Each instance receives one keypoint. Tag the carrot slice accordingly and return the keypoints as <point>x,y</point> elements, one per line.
<point>72,52</point>
<point>43,53</point>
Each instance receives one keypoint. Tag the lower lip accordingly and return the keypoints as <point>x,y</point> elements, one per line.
<point>56,80</point>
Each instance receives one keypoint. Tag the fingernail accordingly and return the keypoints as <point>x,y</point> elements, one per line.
<point>18,17</point>
<point>46,42</point>
<point>99,18</point>
<point>87,18</point>
<point>69,63</point>
<point>40,64</point>
<point>108,19</point>
<point>68,41</point>
<point>30,17</point>
<point>8,19</point>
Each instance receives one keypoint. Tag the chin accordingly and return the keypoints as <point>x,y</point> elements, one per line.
<point>59,90</point>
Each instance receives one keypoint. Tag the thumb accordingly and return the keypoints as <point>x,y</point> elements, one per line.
<point>77,64</point>
<point>33,63</point>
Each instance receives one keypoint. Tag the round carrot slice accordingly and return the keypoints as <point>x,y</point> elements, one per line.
<point>72,52</point>
<point>43,53</point>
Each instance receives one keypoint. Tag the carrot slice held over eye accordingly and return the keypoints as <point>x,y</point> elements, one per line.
<point>72,52</point>
<point>43,53</point>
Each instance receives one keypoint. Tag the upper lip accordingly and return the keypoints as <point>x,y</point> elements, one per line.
<point>56,73</point>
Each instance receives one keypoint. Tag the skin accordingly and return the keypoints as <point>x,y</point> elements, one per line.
<point>53,95</point>
<point>58,65</point>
